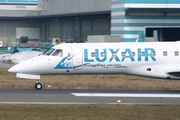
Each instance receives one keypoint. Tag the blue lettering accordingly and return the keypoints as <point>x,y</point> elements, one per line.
<point>139,54</point>
<point>128,51</point>
<point>114,55</point>
<point>86,59</point>
<point>104,55</point>
<point>149,54</point>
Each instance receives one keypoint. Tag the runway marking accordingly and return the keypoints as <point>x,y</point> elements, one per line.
<point>125,95</point>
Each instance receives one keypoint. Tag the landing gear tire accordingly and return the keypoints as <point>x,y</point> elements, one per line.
<point>38,86</point>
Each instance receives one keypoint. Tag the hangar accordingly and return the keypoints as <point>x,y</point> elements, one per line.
<point>74,20</point>
<point>152,20</point>
<point>65,19</point>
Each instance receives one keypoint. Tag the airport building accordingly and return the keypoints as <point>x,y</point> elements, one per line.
<point>71,20</point>
<point>150,20</point>
<point>74,20</point>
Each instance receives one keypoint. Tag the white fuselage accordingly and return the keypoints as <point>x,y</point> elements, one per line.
<point>156,59</point>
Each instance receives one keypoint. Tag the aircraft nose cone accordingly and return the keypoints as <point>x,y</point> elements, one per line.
<point>24,67</point>
<point>13,69</point>
<point>20,68</point>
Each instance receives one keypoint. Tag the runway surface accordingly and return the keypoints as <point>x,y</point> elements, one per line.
<point>86,96</point>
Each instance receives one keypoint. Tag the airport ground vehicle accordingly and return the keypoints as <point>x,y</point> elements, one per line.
<point>21,45</point>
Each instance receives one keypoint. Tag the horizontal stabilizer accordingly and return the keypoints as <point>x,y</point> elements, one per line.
<point>27,76</point>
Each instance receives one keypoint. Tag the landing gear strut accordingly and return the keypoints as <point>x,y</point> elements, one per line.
<point>38,85</point>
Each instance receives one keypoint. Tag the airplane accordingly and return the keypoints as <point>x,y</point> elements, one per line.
<point>148,59</point>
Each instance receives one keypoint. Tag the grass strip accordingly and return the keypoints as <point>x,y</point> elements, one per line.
<point>88,112</point>
<point>109,81</point>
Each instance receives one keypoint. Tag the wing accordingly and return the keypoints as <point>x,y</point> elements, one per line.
<point>156,71</point>
<point>173,73</point>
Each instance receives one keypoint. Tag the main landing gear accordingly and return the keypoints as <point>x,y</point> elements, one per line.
<point>38,85</point>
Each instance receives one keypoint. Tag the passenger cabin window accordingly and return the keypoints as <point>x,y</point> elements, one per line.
<point>58,52</point>
<point>102,54</point>
<point>154,53</point>
<point>176,53</point>
<point>133,54</point>
<point>114,54</point>
<point>165,53</point>
<point>142,54</point>
<point>123,54</point>
<point>92,54</point>
<point>49,51</point>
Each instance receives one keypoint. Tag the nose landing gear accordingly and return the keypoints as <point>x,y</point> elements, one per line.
<point>38,85</point>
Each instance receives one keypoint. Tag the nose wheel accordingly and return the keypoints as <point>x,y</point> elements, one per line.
<point>38,85</point>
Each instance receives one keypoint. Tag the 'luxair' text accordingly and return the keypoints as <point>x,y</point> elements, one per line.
<point>116,55</point>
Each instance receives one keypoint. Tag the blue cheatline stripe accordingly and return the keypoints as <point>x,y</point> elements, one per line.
<point>153,1</point>
<point>125,32</point>
<point>143,24</point>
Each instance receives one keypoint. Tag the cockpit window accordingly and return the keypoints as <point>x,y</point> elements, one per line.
<point>49,51</point>
<point>58,52</point>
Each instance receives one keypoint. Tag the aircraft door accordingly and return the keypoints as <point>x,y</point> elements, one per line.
<point>77,56</point>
